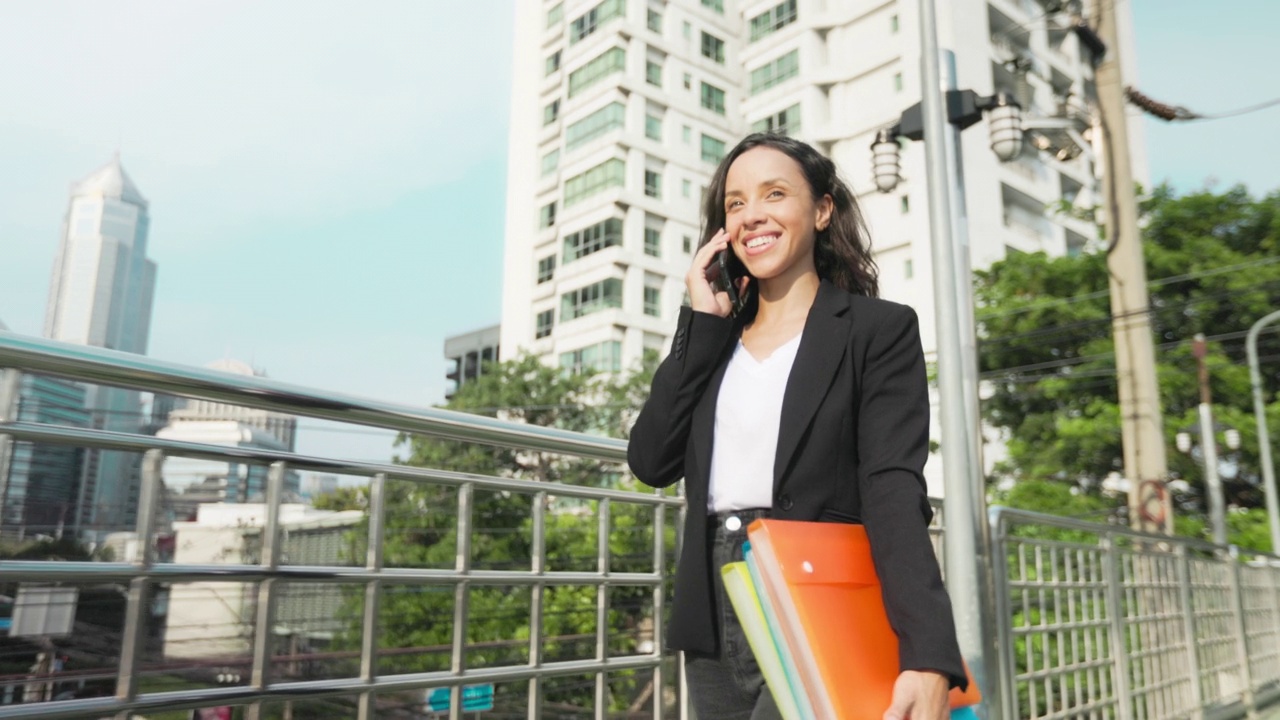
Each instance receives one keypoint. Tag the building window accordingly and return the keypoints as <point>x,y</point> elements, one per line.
<point>603,65</point>
<point>686,134</point>
<point>550,162</point>
<point>717,5</point>
<point>686,244</point>
<point>653,235</point>
<point>610,173</point>
<point>773,20</point>
<point>547,217</point>
<point>905,204</point>
<point>897,82</point>
<point>687,30</point>
<point>893,23</point>
<point>551,112</point>
<point>591,20</point>
<point>592,239</point>
<point>786,122</point>
<point>653,301</point>
<point>653,73</point>
<point>653,183</point>
<point>908,271</point>
<point>553,62</point>
<point>655,21</point>
<point>555,15</point>
<point>712,48</point>
<point>688,81</point>
<point>713,98</point>
<point>653,127</point>
<point>781,69</point>
<point>592,298</point>
<point>686,187</point>
<point>545,321</point>
<point>610,117</point>
<point>603,357</point>
<point>712,149</point>
<point>546,268</point>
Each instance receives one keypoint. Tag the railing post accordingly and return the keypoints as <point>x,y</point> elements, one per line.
<point>659,600</point>
<point>1242,638</point>
<point>133,641</point>
<point>461,597</point>
<point>260,676</point>
<point>10,391</point>
<point>1004,615</point>
<point>1186,598</point>
<point>682,681</point>
<point>1119,647</point>
<point>372,594</point>
<point>602,607</point>
<point>538,565</point>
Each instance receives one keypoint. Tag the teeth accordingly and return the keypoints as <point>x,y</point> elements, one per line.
<point>762,240</point>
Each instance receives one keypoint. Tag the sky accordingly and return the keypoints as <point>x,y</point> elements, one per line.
<point>327,179</point>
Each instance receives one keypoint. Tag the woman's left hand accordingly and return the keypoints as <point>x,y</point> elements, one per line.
<point>919,695</point>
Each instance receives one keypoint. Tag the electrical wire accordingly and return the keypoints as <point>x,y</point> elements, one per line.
<point>1173,113</point>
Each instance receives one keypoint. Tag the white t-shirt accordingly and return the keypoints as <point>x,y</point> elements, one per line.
<point>748,414</point>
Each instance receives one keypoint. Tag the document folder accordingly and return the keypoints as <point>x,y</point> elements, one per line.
<point>746,604</point>
<point>821,584</point>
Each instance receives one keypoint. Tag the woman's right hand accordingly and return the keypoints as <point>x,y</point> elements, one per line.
<point>703,294</point>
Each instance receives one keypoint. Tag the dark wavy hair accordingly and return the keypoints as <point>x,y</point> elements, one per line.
<point>842,251</point>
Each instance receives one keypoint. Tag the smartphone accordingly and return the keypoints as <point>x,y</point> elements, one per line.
<point>732,270</point>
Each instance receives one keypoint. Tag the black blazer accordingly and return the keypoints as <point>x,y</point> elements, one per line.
<point>851,448</point>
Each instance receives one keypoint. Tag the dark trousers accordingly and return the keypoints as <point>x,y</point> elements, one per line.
<point>728,685</point>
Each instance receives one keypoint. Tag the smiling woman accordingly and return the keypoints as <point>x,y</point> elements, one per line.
<point>810,403</point>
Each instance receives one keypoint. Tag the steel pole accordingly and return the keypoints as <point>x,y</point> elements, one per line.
<point>966,526</point>
<point>1264,437</point>
<point>1209,447</point>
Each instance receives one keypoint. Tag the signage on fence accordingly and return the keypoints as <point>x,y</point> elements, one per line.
<point>475,698</point>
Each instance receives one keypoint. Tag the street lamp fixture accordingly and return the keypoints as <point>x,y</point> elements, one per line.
<point>964,108</point>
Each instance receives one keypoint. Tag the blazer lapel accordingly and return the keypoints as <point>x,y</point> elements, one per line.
<point>822,347</point>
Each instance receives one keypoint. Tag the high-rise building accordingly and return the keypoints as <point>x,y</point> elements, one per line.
<point>100,295</point>
<point>39,482</point>
<point>621,110</point>
<point>466,355</point>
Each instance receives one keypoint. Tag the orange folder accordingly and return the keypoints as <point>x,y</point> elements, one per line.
<point>823,586</point>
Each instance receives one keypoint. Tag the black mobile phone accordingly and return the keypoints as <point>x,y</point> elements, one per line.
<point>731,271</point>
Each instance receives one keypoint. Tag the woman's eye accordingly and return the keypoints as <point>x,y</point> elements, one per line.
<point>777,193</point>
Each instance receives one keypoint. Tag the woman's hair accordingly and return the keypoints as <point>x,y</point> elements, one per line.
<point>842,250</point>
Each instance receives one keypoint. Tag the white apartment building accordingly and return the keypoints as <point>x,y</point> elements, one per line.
<point>622,108</point>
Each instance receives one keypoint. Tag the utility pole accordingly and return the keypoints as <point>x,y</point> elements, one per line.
<point>1141,421</point>
<point>1209,448</point>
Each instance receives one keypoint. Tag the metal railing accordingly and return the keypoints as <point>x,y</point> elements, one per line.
<point>1099,621</point>
<point>263,670</point>
<point>1094,620</point>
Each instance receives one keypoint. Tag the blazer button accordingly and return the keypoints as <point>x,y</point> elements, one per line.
<point>785,503</point>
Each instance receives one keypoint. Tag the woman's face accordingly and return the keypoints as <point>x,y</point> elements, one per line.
<point>770,214</point>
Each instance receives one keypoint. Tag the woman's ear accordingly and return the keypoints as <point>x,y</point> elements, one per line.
<point>822,219</point>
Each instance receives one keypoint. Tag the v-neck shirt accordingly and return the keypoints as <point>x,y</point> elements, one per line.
<point>748,417</point>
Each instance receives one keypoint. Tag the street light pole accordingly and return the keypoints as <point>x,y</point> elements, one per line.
<point>1209,446</point>
<point>1264,438</point>
<point>966,537</point>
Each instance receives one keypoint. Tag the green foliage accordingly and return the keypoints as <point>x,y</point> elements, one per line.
<point>1213,263</point>
<point>422,532</point>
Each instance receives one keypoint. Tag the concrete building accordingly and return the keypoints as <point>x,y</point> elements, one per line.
<point>621,110</point>
<point>101,294</point>
<point>466,354</point>
<point>214,619</point>
<point>314,485</point>
<point>284,428</point>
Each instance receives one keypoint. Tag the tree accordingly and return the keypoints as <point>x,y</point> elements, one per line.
<point>1046,347</point>
<point>421,530</point>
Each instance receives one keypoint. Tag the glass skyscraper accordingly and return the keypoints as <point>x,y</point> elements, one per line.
<point>100,295</point>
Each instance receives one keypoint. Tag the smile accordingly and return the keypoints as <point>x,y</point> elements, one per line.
<point>760,241</point>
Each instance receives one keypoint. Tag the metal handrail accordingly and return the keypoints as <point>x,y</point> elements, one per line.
<point>138,372</point>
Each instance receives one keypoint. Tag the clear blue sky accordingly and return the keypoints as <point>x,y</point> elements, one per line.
<point>327,179</point>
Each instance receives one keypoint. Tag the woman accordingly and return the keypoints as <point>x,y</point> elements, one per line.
<point>810,403</point>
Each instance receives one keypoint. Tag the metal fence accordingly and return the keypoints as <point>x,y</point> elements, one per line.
<point>245,659</point>
<point>1098,621</point>
<point>1094,621</point>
